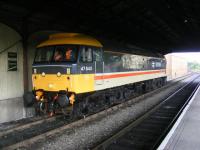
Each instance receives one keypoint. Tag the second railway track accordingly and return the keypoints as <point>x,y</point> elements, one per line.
<point>147,131</point>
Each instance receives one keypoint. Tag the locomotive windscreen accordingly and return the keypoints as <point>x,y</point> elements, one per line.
<point>60,53</point>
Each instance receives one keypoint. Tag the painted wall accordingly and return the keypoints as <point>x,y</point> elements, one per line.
<point>11,82</point>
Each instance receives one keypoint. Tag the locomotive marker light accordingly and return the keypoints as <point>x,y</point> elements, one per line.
<point>35,71</point>
<point>58,74</point>
<point>43,74</point>
<point>50,85</point>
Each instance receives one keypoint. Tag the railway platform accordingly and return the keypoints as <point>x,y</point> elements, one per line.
<point>185,133</point>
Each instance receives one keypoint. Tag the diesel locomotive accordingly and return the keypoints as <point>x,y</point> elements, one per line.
<point>73,74</point>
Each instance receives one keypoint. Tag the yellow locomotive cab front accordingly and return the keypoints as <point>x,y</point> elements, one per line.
<point>51,82</point>
<point>62,69</point>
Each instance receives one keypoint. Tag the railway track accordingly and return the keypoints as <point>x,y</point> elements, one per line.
<point>26,131</point>
<point>148,131</point>
<point>17,123</point>
<point>25,123</point>
<point>27,134</point>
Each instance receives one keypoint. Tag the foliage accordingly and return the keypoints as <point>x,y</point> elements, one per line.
<point>194,66</point>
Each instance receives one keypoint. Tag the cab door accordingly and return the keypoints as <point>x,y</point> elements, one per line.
<point>98,65</point>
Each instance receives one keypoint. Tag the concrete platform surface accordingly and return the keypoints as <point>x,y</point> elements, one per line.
<point>185,134</point>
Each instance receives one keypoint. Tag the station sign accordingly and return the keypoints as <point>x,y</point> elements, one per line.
<point>12,61</point>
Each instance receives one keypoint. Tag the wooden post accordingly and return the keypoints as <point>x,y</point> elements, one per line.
<point>25,65</point>
<point>25,53</point>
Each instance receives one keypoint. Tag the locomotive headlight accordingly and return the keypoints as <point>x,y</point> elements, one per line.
<point>50,85</point>
<point>37,98</point>
<point>58,74</point>
<point>43,74</point>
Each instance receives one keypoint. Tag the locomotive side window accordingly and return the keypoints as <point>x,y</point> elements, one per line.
<point>156,63</point>
<point>86,54</point>
<point>113,61</point>
<point>163,63</point>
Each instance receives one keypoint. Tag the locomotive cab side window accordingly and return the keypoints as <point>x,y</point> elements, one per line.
<point>97,55</point>
<point>98,62</point>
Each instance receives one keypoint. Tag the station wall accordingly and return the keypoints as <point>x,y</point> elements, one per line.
<point>11,82</point>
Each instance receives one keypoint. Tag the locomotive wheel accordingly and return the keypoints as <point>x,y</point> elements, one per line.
<point>148,86</point>
<point>67,111</point>
<point>154,84</point>
<point>119,95</point>
<point>51,108</point>
<point>40,108</point>
<point>127,93</point>
<point>79,109</point>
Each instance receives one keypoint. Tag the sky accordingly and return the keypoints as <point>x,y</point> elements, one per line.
<point>190,57</point>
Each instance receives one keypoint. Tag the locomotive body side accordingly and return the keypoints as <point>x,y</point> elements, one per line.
<point>125,68</point>
<point>87,77</point>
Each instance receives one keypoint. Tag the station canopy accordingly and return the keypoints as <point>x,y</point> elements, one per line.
<point>161,25</point>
